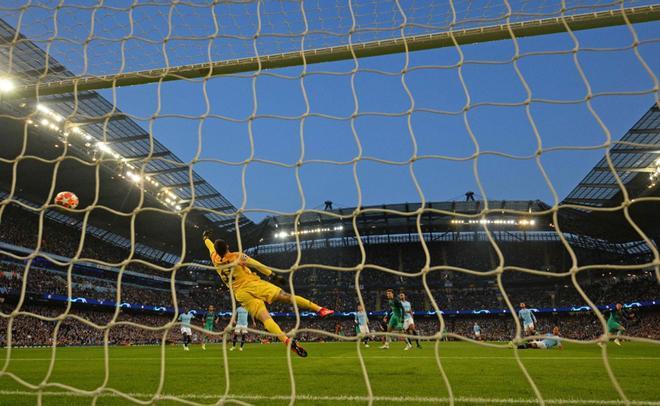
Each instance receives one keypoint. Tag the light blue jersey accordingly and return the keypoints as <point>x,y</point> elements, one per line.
<point>550,342</point>
<point>185,319</point>
<point>527,316</point>
<point>241,316</point>
<point>361,318</point>
<point>477,329</point>
<point>407,314</point>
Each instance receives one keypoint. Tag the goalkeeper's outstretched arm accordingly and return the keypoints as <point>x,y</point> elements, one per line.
<point>206,236</point>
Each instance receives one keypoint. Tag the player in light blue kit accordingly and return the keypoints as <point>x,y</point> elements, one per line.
<point>362,324</point>
<point>185,319</point>
<point>408,321</point>
<point>240,327</point>
<point>547,343</point>
<point>477,331</point>
<point>528,320</point>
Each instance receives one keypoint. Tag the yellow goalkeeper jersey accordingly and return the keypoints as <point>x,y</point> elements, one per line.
<point>236,267</point>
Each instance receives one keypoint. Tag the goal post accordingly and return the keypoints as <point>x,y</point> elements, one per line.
<point>358,50</point>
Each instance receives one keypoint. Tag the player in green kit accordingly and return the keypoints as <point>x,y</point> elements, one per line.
<point>395,321</point>
<point>615,321</point>
<point>209,324</point>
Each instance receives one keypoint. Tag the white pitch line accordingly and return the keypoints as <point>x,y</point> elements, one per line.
<point>366,357</point>
<point>416,399</point>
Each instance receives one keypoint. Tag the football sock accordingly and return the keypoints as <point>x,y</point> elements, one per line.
<point>306,304</point>
<point>273,328</point>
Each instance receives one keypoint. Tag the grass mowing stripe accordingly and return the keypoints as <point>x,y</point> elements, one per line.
<point>345,398</point>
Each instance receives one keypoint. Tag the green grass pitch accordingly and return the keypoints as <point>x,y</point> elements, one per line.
<point>332,374</point>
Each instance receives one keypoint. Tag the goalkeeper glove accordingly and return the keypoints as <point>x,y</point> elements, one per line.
<point>207,234</point>
<point>278,279</point>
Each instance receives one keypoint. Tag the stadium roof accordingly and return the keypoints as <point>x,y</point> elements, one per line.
<point>636,158</point>
<point>90,112</point>
<point>93,129</point>
<point>401,218</point>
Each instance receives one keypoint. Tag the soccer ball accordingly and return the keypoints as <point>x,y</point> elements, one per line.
<point>67,199</point>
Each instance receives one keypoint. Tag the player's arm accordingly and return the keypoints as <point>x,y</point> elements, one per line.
<point>263,269</point>
<point>206,236</point>
<point>256,265</point>
<point>533,317</point>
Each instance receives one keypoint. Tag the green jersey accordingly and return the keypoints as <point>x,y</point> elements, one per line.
<point>396,309</point>
<point>208,321</point>
<point>617,316</point>
<point>615,321</point>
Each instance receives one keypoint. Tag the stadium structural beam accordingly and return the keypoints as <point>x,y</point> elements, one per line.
<point>644,130</point>
<point>637,150</point>
<point>52,69</point>
<point>122,140</point>
<point>154,155</point>
<point>347,52</point>
<point>102,119</point>
<point>70,97</point>
<point>579,200</point>
<point>624,169</point>
<point>168,170</point>
<point>182,184</point>
<point>223,208</point>
<point>205,197</point>
<point>600,185</point>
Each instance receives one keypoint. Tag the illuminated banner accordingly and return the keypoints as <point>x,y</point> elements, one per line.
<point>481,312</point>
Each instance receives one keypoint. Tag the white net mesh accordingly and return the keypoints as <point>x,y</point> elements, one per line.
<point>408,117</point>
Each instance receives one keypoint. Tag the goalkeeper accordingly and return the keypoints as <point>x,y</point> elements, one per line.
<point>235,270</point>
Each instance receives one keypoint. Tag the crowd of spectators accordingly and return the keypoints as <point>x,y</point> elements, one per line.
<point>336,288</point>
<point>28,330</point>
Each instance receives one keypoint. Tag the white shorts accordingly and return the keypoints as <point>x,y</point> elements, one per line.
<point>528,326</point>
<point>186,330</point>
<point>363,329</point>
<point>540,344</point>
<point>241,329</point>
<point>477,334</point>
<point>408,322</point>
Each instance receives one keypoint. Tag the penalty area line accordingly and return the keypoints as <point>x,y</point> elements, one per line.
<point>416,399</point>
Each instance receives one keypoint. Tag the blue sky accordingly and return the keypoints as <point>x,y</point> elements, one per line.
<point>503,129</point>
<point>496,128</point>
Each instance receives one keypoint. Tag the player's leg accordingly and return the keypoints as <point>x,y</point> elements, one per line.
<point>243,337</point>
<point>364,330</point>
<point>413,331</point>
<point>303,303</point>
<point>408,340</point>
<point>409,328</point>
<point>186,339</point>
<point>257,308</point>
<point>619,330</point>
<point>233,340</point>
<point>386,344</point>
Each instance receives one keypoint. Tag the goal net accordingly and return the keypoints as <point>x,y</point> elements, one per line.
<point>297,130</point>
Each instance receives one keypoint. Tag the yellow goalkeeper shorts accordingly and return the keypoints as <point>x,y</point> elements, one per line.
<point>254,294</point>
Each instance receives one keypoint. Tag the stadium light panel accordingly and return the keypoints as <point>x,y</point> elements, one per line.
<point>134,176</point>
<point>6,85</point>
